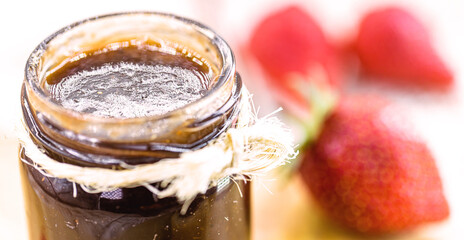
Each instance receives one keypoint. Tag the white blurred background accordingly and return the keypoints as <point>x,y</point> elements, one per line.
<point>24,24</point>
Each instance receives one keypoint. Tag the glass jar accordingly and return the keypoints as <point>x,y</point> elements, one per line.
<point>59,209</point>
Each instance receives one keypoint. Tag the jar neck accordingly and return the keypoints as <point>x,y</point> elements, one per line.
<point>71,147</point>
<point>78,149</point>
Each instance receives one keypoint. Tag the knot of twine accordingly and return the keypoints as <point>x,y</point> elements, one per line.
<point>251,149</point>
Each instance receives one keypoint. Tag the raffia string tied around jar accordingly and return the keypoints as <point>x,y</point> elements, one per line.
<point>252,149</point>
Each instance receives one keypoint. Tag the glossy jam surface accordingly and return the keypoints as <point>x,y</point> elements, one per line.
<point>128,81</point>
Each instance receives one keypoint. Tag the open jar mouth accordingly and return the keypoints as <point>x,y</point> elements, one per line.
<point>48,119</point>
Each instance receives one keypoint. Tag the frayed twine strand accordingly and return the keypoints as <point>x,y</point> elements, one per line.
<point>252,149</point>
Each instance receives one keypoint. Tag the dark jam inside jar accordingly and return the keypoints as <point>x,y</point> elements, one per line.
<point>127,79</point>
<point>130,79</point>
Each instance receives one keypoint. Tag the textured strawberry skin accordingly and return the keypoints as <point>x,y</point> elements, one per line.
<point>288,42</point>
<point>370,176</point>
<point>394,45</point>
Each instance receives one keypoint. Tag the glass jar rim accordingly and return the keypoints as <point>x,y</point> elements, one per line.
<point>112,28</point>
<point>226,72</point>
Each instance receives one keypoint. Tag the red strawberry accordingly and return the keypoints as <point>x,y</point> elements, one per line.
<point>369,173</point>
<point>393,44</point>
<point>294,53</point>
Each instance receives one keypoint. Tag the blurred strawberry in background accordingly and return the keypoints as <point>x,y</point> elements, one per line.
<point>393,46</point>
<point>300,64</point>
<point>362,164</point>
<point>370,172</point>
